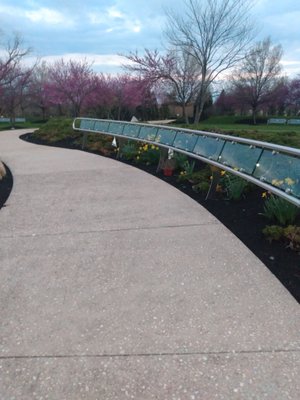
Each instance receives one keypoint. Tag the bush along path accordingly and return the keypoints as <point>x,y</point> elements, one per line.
<point>266,224</point>
<point>6,183</point>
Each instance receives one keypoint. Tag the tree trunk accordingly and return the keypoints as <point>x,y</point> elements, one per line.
<point>12,120</point>
<point>12,115</point>
<point>119,113</point>
<point>43,113</point>
<point>76,110</point>
<point>184,113</point>
<point>254,111</point>
<point>198,113</point>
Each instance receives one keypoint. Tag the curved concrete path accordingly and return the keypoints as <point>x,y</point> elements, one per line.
<point>115,285</point>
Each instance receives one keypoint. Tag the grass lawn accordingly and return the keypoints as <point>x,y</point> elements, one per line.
<point>4,126</point>
<point>286,135</point>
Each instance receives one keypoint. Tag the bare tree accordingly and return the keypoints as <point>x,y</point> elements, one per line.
<point>14,77</point>
<point>257,78</point>
<point>14,53</point>
<point>176,69</point>
<point>215,33</point>
<point>15,92</point>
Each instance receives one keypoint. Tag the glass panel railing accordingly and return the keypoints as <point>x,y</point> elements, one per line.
<point>165,136</point>
<point>131,130</point>
<point>101,126</point>
<point>209,147</point>
<point>279,170</point>
<point>148,133</point>
<point>87,124</point>
<point>185,141</point>
<point>116,128</point>
<point>242,157</point>
<point>275,168</point>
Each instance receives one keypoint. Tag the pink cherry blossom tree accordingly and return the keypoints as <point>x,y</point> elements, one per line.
<point>128,92</point>
<point>71,83</point>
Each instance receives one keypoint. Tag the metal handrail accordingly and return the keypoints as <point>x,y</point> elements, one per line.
<point>263,146</point>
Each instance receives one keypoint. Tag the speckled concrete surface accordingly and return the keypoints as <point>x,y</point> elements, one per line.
<point>114,285</point>
<point>255,376</point>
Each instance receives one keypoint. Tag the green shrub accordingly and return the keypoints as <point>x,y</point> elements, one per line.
<point>292,234</point>
<point>273,232</point>
<point>201,187</point>
<point>148,154</point>
<point>203,174</point>
<point>188,168</point>
<point>129,151</point>
<point>181,160</point>
<point>280,210</point>
<point>56,129</point>
<point>234,186</point>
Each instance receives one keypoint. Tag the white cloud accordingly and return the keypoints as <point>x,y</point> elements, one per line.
<point>291,67</point>
<point>47,16</point>
<point>96,18</point>
<point>41,15</point>
<point>114,20</point>
<point>112,12</point>
<point>136,28</point>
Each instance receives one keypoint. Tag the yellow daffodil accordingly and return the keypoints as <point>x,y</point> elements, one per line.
<point>289,181</point>
<point>223,173</point>
<point>277,182</point>
<point>264,195</point>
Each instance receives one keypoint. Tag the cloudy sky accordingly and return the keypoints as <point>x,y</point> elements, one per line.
<point>101,30</point>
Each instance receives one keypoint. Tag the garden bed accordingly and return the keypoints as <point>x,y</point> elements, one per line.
<point>242,217</point>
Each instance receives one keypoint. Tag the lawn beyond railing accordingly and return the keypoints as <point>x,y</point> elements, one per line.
<point>273,167</point>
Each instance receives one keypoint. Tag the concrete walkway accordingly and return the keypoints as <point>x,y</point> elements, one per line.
<point>115,285</point>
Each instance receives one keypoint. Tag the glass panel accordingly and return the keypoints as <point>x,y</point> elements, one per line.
<point>87,124</point>
<point>242,157</point>
<point>208,147</point>
<point>185,141</point>
<point>165,136</point>
<point>116,127</point>
<point>101,126</point>
<point>131,130</point>
<point>148,132</point>
<point>280,170</point>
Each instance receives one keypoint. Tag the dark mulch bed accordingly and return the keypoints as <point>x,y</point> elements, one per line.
<point>242,218</point>
<point>6,185</point>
